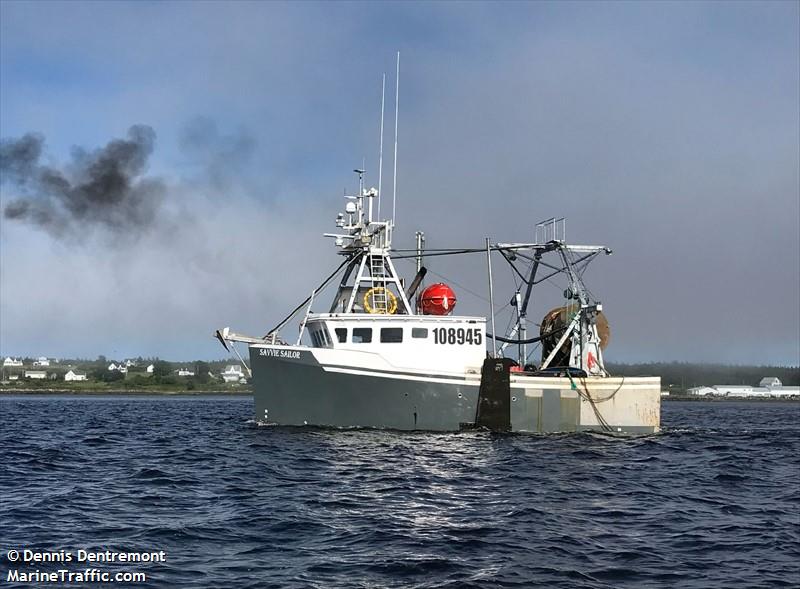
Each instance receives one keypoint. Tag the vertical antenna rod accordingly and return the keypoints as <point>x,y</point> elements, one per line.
<point>396,110</point>
<point>491,297</point>
<point>380,151</point>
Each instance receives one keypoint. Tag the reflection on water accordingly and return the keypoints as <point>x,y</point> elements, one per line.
<point>710,502</point>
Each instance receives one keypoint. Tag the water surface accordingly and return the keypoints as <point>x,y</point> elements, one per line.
<point>713,501</point>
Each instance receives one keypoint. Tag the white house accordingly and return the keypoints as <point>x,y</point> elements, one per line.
<point>73,375</point>
<point>13,377</point>
<point>41,361</point>
<point>185,372</point>
<point>12,362</point>
<point>150,369</point>
<point>36,374</point>
<point>770,381</point>
<point>232,373</point>
<point>119,367</point>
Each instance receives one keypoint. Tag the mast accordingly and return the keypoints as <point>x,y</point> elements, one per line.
<point>370,283</point>
<point>380,150</point>
<point>581,314</point>
<point>491,297</point>
<point>420,237</point>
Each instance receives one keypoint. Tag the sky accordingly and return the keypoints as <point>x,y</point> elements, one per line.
<point>667,131</point>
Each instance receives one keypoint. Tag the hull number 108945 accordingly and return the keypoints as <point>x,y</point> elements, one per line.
<point>460,335</point>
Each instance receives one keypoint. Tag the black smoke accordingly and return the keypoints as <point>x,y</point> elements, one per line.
<point>102,188</point>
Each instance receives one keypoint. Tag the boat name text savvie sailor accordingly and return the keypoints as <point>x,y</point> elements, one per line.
<point>280,353</point>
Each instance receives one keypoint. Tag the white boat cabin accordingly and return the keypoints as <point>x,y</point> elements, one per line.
<point>428,342</point>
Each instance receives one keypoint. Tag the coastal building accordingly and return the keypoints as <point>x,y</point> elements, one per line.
<point>769,388</point>
<point>784,392</point>
<point>185,372</point>
<point>770,382</point>
<point>11,362</point>
<point>745,392</point>
<point>73,375</point>
<point>702,391</point>
<point>118,367</point>
<point>36,374</point>
<point>734,390</point>
<point>41,361</point>
<point>232,373</point>
<point>150,369</point>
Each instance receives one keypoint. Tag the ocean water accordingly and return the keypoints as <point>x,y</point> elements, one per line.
<point>713,501</point>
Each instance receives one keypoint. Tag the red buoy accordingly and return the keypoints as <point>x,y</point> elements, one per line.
<point>437,299</point>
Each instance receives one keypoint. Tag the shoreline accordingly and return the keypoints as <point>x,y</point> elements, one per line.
<point>131,392</point>
<point>711,399</point>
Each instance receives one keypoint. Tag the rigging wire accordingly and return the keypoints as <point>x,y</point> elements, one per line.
<point>432,253</point>
<point>316,290</point>
<point>461,286</point>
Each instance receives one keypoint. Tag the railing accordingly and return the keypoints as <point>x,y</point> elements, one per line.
<point>551,230</point>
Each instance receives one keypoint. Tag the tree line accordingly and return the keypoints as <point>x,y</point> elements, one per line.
<point>685,375</point>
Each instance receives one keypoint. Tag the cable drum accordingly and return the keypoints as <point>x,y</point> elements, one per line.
<point>553,325</point>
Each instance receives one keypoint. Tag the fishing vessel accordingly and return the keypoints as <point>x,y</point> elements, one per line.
<point>384,355</point>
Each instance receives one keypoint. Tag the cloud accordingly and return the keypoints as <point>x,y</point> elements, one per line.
<point>668,132</point>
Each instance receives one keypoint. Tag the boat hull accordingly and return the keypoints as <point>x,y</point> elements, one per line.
<point>293,388</point>
<point>608,404</point>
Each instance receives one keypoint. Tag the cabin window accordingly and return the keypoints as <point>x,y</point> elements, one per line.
<point>419,332</point>
<point>341,334</point>
<point>326,338</point>
<point>362,335</point>
<point>391,335</point>
<point>321,338</point>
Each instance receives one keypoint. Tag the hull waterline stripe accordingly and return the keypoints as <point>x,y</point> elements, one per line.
<point>397,372</point>
<point>401,376</point>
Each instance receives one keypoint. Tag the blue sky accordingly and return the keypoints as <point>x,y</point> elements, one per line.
<point>668,131</point>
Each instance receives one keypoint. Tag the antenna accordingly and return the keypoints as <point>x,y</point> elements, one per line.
<point>396,110</point>
<point>361,186</point>
<point>380,152</point>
